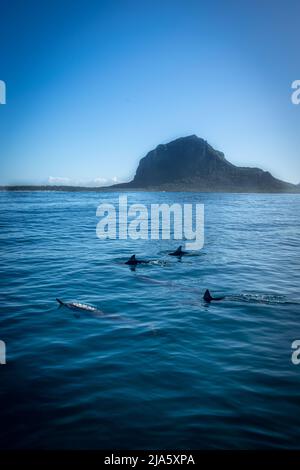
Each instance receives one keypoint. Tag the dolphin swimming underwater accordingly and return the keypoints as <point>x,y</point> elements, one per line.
<point>133,261</point>
<point>208,298</point>
<point>178,252</point>
<point>79,306</point>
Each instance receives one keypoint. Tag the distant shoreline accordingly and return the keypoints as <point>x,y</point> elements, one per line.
<point>119,188</point>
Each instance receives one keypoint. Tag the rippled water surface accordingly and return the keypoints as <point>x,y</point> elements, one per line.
<point>157,367</point>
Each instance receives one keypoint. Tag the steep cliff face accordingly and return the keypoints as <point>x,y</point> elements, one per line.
<point>190,163</point>
<point>184,158</point>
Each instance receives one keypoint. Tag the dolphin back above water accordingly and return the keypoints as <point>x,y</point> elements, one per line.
<point>208,298</point>
<point>178,252</point>
<point>133,261</point>
<point>78,306</point>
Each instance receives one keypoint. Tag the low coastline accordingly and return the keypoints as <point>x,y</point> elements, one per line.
<point>119,188</point>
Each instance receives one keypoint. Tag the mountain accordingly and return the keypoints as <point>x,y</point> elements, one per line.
<point>191,164</point>
<point>187,164</point>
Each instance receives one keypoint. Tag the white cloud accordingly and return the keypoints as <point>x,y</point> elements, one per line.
<point>58,180</point>
<point>98,181</point>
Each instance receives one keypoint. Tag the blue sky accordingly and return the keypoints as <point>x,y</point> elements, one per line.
<point>94,85</point>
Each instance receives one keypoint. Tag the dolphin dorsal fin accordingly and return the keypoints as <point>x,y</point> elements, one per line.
<point>132,257</point>
<point>207,296</point>
<point>179,249</point>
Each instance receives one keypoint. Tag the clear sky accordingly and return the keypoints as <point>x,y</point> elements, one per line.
<point>92,86</point>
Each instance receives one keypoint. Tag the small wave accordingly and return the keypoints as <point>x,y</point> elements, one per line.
<point>158,262</point>
<point>258,298</point>
<point>156,281</point>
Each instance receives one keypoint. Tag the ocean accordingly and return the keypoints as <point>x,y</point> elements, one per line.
<point>158,368</point>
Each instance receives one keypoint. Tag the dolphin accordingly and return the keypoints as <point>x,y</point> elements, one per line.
<point>133,261</point>
<point>178,252</point>
<point>208,298</point>
<point>79,306</point>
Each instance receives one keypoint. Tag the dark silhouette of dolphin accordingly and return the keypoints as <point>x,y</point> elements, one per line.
<point>208,298</point>
<point>133,261</point>
<point>178,252</point>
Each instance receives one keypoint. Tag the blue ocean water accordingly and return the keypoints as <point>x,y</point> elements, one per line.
<point>159,368</point>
